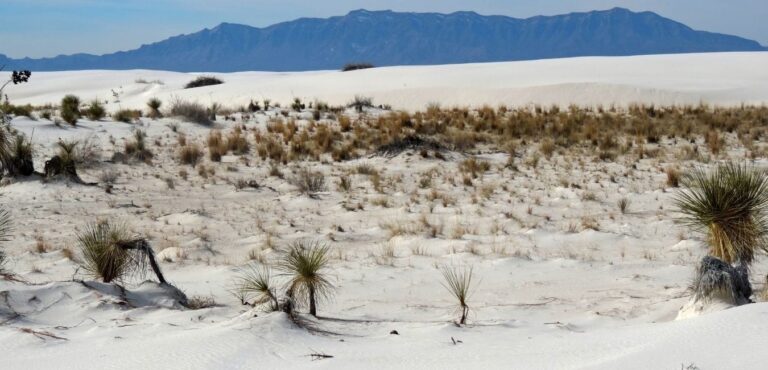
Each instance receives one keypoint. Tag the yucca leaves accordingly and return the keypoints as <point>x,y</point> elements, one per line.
<point>5,231</point>
<point>255,282</point>
<point>458,281</point>
<point>102,255</point>
<point>729,204</point>
<point>305,265</point>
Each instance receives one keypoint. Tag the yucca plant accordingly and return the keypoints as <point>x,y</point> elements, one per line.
<point>103,257</point>
<point>306,264</point>
<point>154,108</point>
<point>255,283</point>
<point>5,231</point>
<point>729,205</point>
<point>458,281</point>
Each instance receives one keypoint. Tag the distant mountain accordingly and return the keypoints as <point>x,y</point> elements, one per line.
<point>389,38</point>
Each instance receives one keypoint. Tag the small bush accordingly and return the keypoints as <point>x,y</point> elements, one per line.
<point>95,111</point>
<point>192,112</point>
<point>356,66</point>
<point>137,148</point>
<point>154,105</point>
<point>309,182</point>
<point>190,154</point>
<point>360,103</point>
<point>70,109</point>
<point>623,205</point>
<point>199,302</point>
<point>126,115</point>
<point>201,81</point>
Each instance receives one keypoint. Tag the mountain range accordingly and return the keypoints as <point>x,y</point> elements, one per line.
<point>386,38</point>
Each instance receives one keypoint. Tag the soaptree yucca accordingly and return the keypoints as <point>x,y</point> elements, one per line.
<point>255,286</point>
<point>5,231</point>
<point>102,255</point>
<point>306,264</point>
<point>458,281</point>
<point>729,205</point>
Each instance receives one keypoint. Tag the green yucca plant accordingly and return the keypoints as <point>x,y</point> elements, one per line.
<point>458,281</point>
<point>729,204</point>
<point>154,105</point>
<point>305,264</point>
<point>255,283</point>
<point>102,255</point>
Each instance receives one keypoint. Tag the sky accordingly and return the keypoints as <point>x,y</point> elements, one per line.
<point>45,28</point>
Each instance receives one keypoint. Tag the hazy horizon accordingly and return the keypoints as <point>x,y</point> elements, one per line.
<point>30,24</point>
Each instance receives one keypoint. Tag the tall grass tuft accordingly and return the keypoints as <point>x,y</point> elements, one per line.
<point>306,264</point>
<point>728,204</point>
<point>458,281</point>
<point>154,105</point>
<point>102,256</point>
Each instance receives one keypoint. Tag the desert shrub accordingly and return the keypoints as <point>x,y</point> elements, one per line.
<point>126,115</point>
<point>360,103</point>
<point>203,81</point>
<point>305,265</point>
<point>673,177</point>
<point>459,283</point>
<point>237,143</point>
<point>70,109</point>
<point>95,111</point>
<point>102,256</point>
<point>356,66</point>
<point>254,286</point>
<point>623,204</point>
<point>154,105</point>
<point>729,205</point>
<point>190,154</point>
<point>297,105</point>
<point>199,302</point>
<point>16,156</point>
<point>309,182</point>
<point>192,112</point>
<point>137,148</point>
<point>474,167</point>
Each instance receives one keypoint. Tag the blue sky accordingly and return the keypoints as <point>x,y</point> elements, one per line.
<point>40,28</point>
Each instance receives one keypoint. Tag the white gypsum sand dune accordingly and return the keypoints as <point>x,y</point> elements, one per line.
<point>683,79</point>
<point>565,279</point>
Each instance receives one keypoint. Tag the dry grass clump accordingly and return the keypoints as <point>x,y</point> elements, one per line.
<point>199,302</point>
<point>127,115</point>
<point>216,146</point>
<point>474,167</point>
<point>237,143</point>
<point>192,112</point>
<point>673,177</point>
<point>190,154</point>
<point>137,148</point>
<point>729,205</point>
<point>309,182</point>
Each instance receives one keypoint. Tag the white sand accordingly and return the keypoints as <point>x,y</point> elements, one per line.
<point>552,295</point>
<point>716,78</point>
